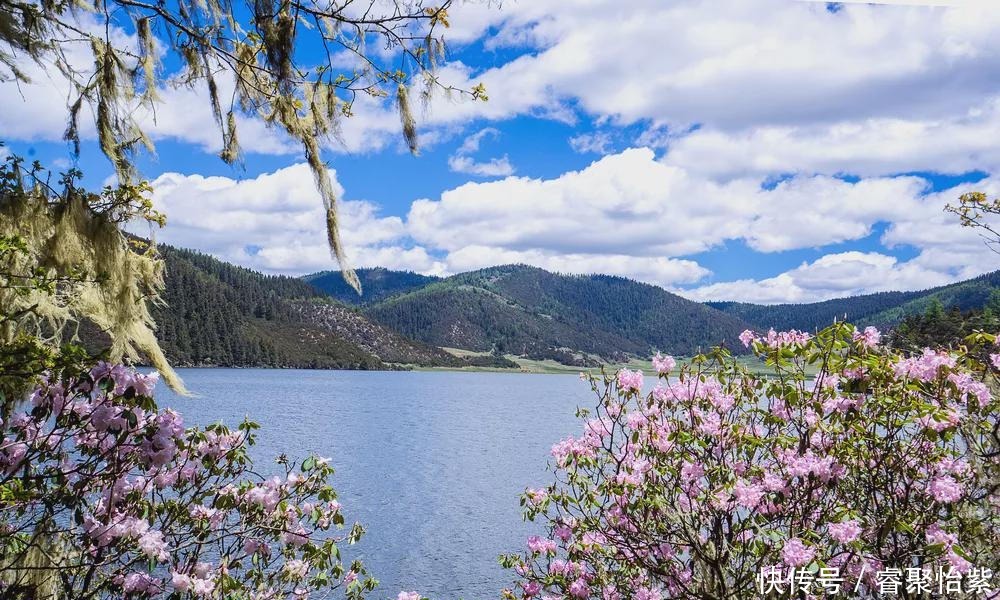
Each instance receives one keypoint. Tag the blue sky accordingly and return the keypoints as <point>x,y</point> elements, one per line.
<point>758,150</point>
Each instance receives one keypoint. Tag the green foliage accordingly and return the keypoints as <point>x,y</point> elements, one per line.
<point>219,314</point>
<point>530,312</point>
<point>939,328</point>
<point>378,284</point>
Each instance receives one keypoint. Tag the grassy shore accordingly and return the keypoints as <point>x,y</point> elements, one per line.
<point>551,367</point>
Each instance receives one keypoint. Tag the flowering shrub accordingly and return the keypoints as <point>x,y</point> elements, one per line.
<point>844,457</point>
<point>103,495</point>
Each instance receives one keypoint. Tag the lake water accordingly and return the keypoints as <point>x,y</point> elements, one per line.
<point>431,463</point>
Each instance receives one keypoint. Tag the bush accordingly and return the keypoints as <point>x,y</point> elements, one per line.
<point>844,460</point>
<point>103,495</point>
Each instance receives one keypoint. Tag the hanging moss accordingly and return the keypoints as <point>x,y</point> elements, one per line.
<point>95,274</point>
<point>35,572</point>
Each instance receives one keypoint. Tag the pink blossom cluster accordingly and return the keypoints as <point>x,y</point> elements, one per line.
<point>775,339</point>
<point>630,381</point>
<point>845,532</point>
<point>157,508</point>
<point>663,364</point>
<point>925,367</point>
<point>848,455</point>
<point>870,337</point>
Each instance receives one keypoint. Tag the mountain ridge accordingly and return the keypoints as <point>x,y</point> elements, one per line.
<point>538,314</point>
<point>218,314</point>
<point>883,309</point>
<point>879,309</point>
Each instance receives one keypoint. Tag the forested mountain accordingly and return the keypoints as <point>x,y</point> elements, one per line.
<point>220,314</point>
<point>530,312</point>
<point>377,284</point>
<point>884,309</point>
<point>938,327</point>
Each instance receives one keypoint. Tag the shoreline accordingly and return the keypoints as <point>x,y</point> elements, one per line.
<point>527,367</point>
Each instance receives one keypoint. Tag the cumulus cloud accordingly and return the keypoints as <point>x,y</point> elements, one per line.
<point>598,142</point>
<point>656,270</point>
<point>463,162</point>
<point>729,65</point>
<point>831,276</point>
<point>627,214</point>
<point>275,223</point>
<point>630,202</point>
<point>734,63</point>
<point>645,217</point>
<point>954,144</point>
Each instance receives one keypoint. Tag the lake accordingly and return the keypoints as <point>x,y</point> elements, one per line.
<point>431,463</point>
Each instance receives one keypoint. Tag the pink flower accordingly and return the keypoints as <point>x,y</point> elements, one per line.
<point>296,569</point>
<point>647,593</point>
<point>782,339</point>
<point>870,337</point>
<point>747,337</point>
<point>630,380</point>
<point>180,581</point>
<point>664,364</point>
<point>957,562</point>
<point>995,359</point>
<point>691,471</point>
<point>748,494</point>
<point>541,545</point>
<point>536,496</point>
<point>937,535</point>
<point>845,532</point>
<point>141,583</point>
<point>202,587</point>
<point>924,367</point>
<point>579,588</point>
<point>532,588</point>
<point>153,545</point>
<point>563,532</point>
<point>945,489</point>
<point>796,554</point>
<point>408,596</point>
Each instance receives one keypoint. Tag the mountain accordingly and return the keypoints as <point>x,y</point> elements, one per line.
<point>377,284</point>
<point>223,315</point>
<point>881,309</point>
<point>575,319</point>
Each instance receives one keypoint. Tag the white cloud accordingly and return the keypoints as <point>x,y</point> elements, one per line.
<point>738,63</point>
<point>757,71</point>
<point>645,217</point>
<point>831,276</point>
<point>631,203</point>
<point>591,143</point>
<point>657,270</point>
<point>951,3</point>
<point>275,222</point>
<point>462,161</point>
<point>626,214</point>
<point>956,144</point>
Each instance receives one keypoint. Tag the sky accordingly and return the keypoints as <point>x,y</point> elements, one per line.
<point>754,150</point>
